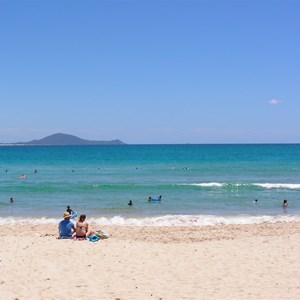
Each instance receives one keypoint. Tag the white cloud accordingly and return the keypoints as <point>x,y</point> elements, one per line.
<point>275,101</point>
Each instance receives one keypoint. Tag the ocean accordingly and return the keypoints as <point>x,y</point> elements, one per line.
<point>199,184</point>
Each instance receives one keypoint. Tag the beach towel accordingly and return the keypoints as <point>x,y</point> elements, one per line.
<point>93,238</point>
<point>78,238</point>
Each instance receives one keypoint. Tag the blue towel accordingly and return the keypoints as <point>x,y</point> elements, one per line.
<point>94,238</point>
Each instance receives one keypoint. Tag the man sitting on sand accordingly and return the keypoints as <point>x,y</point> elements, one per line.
<point>66,227</point>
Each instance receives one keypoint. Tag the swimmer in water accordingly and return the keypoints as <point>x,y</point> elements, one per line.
<point>130,203</point>
<point>11,200</point>
<point>284,203</point>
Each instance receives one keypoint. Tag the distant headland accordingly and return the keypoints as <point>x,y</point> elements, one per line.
<point>62,139</point>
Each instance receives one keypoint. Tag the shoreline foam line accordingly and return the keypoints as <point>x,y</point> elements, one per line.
<point>162,221</point>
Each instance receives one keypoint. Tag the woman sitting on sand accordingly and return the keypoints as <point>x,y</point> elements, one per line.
<point>82,228</point>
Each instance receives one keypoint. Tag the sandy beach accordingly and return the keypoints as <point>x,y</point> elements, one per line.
<point>214,262</point>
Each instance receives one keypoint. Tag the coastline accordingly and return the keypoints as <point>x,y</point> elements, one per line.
<point>159,220</point>
<point>257,261</point>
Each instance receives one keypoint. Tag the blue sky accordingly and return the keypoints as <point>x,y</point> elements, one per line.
<point>151,71</point>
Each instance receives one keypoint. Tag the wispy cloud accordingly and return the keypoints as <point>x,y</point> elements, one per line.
<point>275,102</point>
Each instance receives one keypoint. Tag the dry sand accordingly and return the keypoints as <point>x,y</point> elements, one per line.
<point>215,262</point>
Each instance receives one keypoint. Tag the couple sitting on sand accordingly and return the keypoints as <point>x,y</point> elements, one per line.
<point>67,229</point>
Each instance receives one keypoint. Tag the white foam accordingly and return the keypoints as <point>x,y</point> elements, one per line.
<point>163,221</point>
<point>292,186</point>
<point>206,184</point>
<point>196,220</point>
<point>33,221</point>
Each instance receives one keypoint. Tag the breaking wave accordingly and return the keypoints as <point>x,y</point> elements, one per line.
<point>163,221</point>
<point>292,186</point>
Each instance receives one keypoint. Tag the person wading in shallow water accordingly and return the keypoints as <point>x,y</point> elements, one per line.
<point>69,210</point>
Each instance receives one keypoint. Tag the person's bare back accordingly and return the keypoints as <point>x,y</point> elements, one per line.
<point>82,227</point>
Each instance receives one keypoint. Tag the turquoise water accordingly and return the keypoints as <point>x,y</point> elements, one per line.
<point>199,184</point>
